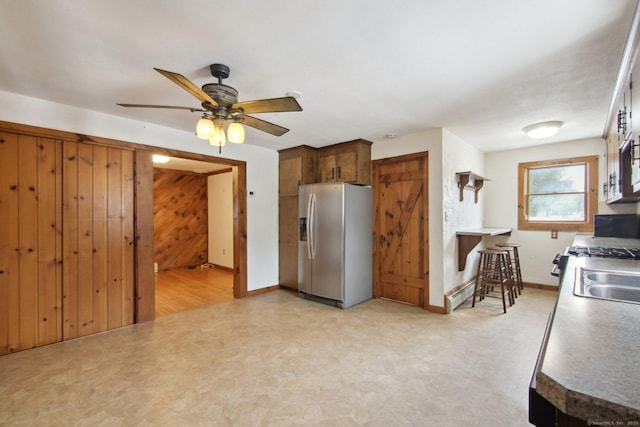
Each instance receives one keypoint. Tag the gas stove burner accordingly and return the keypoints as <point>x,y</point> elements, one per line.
<point>605,252</point>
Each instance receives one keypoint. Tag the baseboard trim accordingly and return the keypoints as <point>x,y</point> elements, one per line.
<point>222,267</point>
<point>263,290</point>
<point>540,286</point>
<point>436,309</point>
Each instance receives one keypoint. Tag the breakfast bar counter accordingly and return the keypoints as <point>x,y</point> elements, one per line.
<point>469,238</point>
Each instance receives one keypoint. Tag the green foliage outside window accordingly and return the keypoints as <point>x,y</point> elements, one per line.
<point>557,193</point>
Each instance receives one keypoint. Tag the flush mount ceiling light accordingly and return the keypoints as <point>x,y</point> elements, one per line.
<point>542,130</point>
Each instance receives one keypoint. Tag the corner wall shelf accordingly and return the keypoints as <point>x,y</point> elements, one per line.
<point>470,181</point>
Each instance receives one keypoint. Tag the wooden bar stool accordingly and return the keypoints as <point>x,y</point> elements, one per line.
<point>515,259</point>
<point>492,277</point>
<point>511,271</point>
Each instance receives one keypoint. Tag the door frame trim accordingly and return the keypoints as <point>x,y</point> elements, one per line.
<point>145,283</point>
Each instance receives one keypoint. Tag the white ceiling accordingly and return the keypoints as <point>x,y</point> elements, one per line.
<point>483,69</point>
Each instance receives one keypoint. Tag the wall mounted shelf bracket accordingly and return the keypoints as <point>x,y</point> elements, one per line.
<point>470,181</point>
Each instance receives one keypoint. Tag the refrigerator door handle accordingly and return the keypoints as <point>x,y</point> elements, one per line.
<point>312,226</point>
<point>309,225</point>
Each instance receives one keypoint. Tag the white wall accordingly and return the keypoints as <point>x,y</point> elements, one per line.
<point>262,223</point>
<point>220,199</point>
<point>262,166</point>
<point>459,156</point>
<point>501,209</point>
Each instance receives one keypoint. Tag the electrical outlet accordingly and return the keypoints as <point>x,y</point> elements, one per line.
<point>554,234</point>
<point>224,251</point>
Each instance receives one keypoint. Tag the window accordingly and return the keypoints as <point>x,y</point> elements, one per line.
<point>558,195</point>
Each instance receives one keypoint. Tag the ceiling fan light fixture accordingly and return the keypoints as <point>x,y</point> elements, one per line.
<point>235,133</point>
<point>543,129</point>
<point>217,137</point>
<point>204,128</point>
<point>221,109</point>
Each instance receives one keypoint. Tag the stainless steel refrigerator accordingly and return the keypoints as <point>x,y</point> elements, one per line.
<point>334,243</point>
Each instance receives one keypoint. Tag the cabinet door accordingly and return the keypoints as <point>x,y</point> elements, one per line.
<point>327,168</point>
<point>634,157</point>
<point>623,119</point>
<point>290,176</point>
<point>288,221</point>
<point>347,166</point>
<point>613,173</point>
<point>635,130</point>
<point>288,247</point>
<point>340,167</point>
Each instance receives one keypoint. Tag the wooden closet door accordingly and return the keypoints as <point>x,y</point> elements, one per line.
<point>401,243</point>
<point>30,242</point>
<point>97,245</point>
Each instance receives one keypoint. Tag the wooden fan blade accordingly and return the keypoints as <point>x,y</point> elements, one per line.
<point>272,105</point>
<point>173,107</point>
<point>185,84</point>
<point>264,126</point>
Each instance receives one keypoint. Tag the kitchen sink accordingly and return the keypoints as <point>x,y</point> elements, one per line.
<point>609,285</point>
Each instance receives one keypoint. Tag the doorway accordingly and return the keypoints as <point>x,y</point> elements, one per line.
<point>193,234</point>
<point>401,229</point>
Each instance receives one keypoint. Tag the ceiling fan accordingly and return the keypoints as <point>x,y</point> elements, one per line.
<point>220,106</point>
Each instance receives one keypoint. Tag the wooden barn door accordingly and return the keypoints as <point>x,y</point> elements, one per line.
<point>401,250</point>
<point>30,242</point>
<point>98,239</point>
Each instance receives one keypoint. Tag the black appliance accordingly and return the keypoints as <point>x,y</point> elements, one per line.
<point>604,252</point>
<point>624,226</point>
<point>559,262</point>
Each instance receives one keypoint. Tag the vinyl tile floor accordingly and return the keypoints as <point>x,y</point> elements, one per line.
<point>278,360</point>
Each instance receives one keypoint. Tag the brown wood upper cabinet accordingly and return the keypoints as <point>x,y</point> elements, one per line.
<point>345,162</point>
<point>297,167</point>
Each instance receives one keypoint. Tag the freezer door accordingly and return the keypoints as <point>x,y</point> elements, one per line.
<point>304,238</point>
<point>327,246</point>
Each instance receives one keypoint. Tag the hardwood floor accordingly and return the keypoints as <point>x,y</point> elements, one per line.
<point>182,289</point>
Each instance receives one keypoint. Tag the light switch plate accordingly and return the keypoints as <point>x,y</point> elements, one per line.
<point>554,234</point>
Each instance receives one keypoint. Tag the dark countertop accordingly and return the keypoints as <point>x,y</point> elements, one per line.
<point>591,365</point>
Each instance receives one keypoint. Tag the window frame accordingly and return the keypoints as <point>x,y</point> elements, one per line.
<point>591,195</point>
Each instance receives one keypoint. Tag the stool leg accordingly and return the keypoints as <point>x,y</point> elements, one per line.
<point>513,284</point>
<point>516,261</point>
<point>476,285</point>
<point>499,267</point>
<point>478,290</point>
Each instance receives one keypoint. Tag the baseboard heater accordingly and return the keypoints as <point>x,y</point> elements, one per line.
<point>454,300</point>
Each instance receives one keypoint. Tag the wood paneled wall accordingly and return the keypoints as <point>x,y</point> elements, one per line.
<point>180,212</point>
<point>98,253</point>
<point>66,258</point>
<point>30,242</point>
